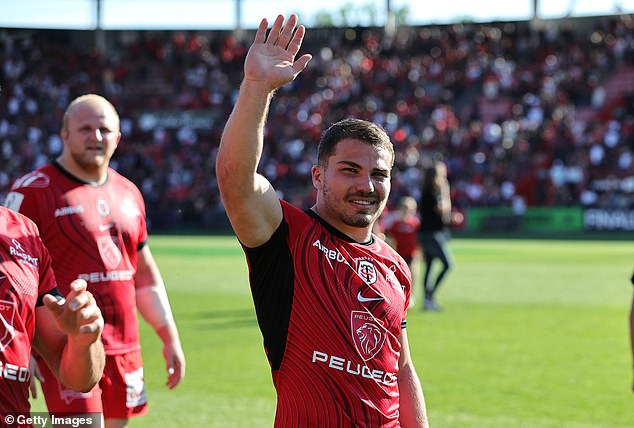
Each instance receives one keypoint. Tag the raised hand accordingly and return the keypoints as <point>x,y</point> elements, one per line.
<point>271,58</point>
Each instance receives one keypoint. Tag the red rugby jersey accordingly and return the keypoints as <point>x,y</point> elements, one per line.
<point>331,312</point>
<point>405,234</point>
<point>25,275</point>
<point>92,232</point>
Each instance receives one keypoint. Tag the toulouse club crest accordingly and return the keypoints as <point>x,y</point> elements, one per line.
<point>368,334</point>
<point>7,331</point>
<point>109,251</point>
<point>367,271</point>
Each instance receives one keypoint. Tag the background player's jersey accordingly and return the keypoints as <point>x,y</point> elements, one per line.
<point>331,312</point>
<point>92,232</point>
<point>404,232</point>
<point>25,275</point>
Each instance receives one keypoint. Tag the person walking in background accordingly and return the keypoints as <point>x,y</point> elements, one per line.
<point>330,297</point>
<point>93,222</point>
<point>435,216</point>
<point>65,332</point>
<point>402,231</point>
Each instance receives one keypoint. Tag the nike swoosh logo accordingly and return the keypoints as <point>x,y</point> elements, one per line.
<point>362,298</point>
<point>104,227</point>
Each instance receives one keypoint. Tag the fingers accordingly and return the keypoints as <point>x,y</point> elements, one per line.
<point>282,34</point>
<point>174,375</point>
<point>175,366</point>
<point>260,35</point>
<point>53,305</point>
<point>289,31</point>
<point>34,370</point>
<point>90,320</point>
<point>274,34</point>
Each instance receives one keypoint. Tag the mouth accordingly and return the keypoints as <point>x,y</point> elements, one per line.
<point>362,203</point>
<point>95,150</point>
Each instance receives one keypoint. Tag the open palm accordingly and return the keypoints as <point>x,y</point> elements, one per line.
<point>271,58</point>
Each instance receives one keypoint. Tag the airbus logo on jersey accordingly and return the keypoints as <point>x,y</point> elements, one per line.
<point>70,210</point>
<point>331,254</point>
<point>19,252</point>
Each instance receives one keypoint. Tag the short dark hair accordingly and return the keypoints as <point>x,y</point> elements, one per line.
<point>356,129</point>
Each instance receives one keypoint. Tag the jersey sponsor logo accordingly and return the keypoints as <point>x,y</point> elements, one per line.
<point>330,253</point>
<point>129,208</point>
<point>364,299</point>
<point>103,208</point>
<point>368,334</point>
<point>68,395</point>
<point>7,331</point>
<point>109,250</point>
<point>14,201</point>
<point>352,368</point>
<point>113,275</point>
<point>367,271</point>
<point>35,179</point>
<point>76,209</point>
<point>18,251</point>
<point>14,372</point>
<point>135,388</point>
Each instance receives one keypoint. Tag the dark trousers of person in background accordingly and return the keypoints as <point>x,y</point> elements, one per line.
<point>435,247</point>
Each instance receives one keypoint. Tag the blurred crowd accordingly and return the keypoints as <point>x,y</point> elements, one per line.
<point>523,114</point>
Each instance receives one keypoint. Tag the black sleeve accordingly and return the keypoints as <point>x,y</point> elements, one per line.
<point>271,275</point>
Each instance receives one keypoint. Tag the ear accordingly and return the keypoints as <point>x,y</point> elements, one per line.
<point>317,173</point>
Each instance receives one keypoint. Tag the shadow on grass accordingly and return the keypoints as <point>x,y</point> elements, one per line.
<point>223,318</point>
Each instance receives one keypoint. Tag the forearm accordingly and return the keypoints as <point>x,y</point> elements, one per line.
<point>153,305</point>
<point>243,137</point>
<point>412,409</point>
<point>81,366</point>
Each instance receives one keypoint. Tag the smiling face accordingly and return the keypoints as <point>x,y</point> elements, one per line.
<point>90,134</point>
<point>353,186</point>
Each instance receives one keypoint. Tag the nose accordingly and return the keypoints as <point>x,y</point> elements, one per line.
<point>365,184</point>
<point>97,134</point>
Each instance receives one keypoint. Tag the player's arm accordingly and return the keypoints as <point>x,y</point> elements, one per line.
<point>249,199</point>
<point>153,305</point>
<point>412,410</point>
<point>68,337</point>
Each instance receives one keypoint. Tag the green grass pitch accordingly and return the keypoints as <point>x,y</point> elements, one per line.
<point>533,333</point>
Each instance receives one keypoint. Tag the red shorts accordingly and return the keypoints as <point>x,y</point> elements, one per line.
<point>119,394</point>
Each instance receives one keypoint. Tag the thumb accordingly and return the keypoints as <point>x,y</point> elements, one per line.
<point>301,63</point>
<point>54,305</point>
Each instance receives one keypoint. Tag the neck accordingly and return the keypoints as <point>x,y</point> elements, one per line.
<point>357,234</point>
<point>95,176</point>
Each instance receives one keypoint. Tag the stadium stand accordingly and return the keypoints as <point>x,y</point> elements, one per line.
<point>524,114</point>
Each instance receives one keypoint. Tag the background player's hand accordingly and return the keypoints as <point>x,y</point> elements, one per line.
<point>34,370</point>
<point>271,58</point>
<point>77,316</point>
<point>174,364</point>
